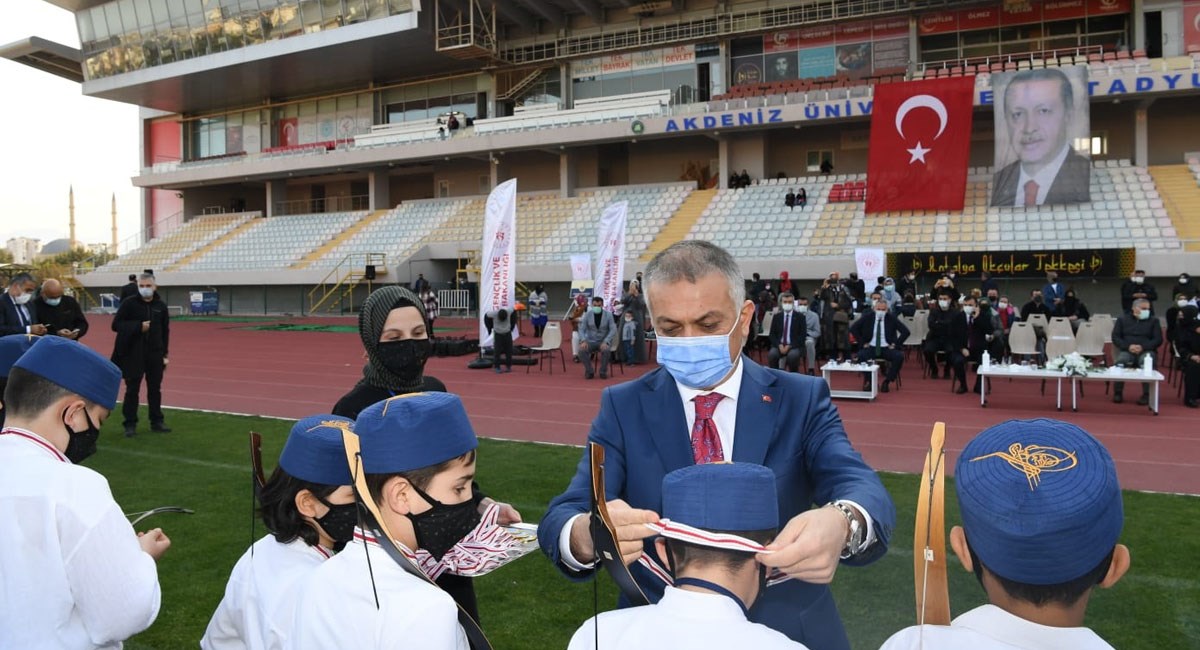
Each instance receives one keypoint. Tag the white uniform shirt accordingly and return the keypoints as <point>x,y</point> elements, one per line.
<point>260,599</point>
<point>73,573</point>
<point>337,606</point>
<point>988,627</point>
<point>682,619</point>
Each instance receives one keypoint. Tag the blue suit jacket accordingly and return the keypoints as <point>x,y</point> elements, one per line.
<point>786,422</point>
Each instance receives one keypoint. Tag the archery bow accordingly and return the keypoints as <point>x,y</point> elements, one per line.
<point>139,516</point>
<point>387,542</point>
<point>929,538</point>
<point>256,462</point>
<point>604,534</point>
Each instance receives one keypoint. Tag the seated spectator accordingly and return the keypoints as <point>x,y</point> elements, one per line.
<point>597,331</point>
<point>734,181</point>
<point>790,200</point>
<point>452,123</point>
<point>1036,305</point>
<point>937,338</point>
<point>1039,539</point>
<point>1187,344</point>
<point>907,306</point>
<point>788,332</point>
<point>802,198</point>
<point>744,179</point>
<point>1073,309</point>
<point>826,167</point>
<point>882,336</point>
<point>1137,336</point>
<point>1174,313</point>
<point>1187,288</point>
<point>890,296</point>
<point>812,334</point>
<point>971,333</point>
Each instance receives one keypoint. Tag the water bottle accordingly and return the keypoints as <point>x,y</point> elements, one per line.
<point>1147,366</point>
<point>987,359</point>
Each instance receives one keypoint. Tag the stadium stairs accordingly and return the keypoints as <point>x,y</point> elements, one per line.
<point>344,236</point>
<point>216,243</point>
<point>1180,193</point>
<point>681,222</point>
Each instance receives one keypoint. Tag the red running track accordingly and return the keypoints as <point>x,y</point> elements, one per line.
<point>228,367</point>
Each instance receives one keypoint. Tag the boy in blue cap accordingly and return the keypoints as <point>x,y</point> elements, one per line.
<point>1042,512</point>
<point>418,455</point>
<point>308,507</point>
<point>11,349</point>
<point>716,516</point>
<point>75,573</point>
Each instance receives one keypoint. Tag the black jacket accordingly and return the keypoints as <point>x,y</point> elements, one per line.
<point>363,395</point>
<point>11,318</point>
<point>133,346</point>
<point>1129,287</point>
<point>1032,307</point>
<point>798,331</point>
<point>939,324</point>
<point>1129,331</point>
<point>128,290</point>
<point>972,336</point>
<point>894,331</point>
<point>68,315</point>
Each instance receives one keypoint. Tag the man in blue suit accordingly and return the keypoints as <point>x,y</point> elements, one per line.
<point>707,403</point>
<point>17,315</point>
<point>881,336</point>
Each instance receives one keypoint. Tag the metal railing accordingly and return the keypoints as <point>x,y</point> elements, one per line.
<point>330,293</point>
<point>351,203</point>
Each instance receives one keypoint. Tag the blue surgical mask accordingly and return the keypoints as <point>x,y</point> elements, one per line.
<point>697,361</point>
<point>889,288</point>
<point>53,302</point>
<point>1144,314</point>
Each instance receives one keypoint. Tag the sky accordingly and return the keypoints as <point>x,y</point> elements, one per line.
<point>55,137</point>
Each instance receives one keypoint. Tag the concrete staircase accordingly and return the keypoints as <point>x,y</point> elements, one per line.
<point>1181,197</point>
<point>681,222</point>
<point>345,235</point>
<point>213,245</point>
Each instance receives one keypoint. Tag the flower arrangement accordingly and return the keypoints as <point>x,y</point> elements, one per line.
<point>1073,364</point>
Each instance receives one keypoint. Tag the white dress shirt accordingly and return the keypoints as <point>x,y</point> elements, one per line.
<point>681,619</point>
<point>74,575</point>
<point>337,606</point>
<point>1044,179</point>
<point>988,627</point>
<point>260,598</point>
<point>725,418</point>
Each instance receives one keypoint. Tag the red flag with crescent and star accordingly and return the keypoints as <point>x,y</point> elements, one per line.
<point>920,145</point>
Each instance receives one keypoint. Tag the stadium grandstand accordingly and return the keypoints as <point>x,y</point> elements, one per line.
<point>288,145</point>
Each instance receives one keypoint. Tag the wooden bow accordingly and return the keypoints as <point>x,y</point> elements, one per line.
<point>604,533</point>
<point>387,542</point>
<point>257,476</point>
<point>929,537</point>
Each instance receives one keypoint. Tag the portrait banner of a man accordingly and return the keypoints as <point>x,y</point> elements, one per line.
<point>1040,116</point>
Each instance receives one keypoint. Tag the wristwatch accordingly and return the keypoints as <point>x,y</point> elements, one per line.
<point>855,539</point>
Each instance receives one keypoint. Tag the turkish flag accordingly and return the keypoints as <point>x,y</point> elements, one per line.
<point>920,145</point>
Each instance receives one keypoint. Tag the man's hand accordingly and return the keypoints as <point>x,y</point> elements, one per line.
<point>809,546</point>
<point>145,326</point>
<point>584,346</point>
<point>70,334</point>
<point>966,352</point>
<point>783,349</point>
<point>166,361</point>
<point>604,347</point>
<point>154,543</point>
<point>1135,349</point>
<point>1195,358</point>
<point>38,329</point>
<point>629,523</point>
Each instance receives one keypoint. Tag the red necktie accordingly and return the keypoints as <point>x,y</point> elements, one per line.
<point>706,443</point>
<point>1031,192</point>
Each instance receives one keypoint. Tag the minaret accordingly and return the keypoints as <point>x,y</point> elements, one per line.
<point>71,211</point>
<point>113,250</point>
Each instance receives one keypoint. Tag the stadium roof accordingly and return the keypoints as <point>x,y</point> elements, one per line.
<point>47,56</point>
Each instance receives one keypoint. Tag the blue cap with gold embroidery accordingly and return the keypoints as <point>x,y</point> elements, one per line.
<point>314,451</point>
<point>413,431</point>
<point>1040,500</point>
<point>74,367</point>
<point>11,349</point>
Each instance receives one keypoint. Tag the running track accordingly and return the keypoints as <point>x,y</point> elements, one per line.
<point>227,367</point>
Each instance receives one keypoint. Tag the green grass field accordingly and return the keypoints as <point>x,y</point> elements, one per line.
<point>204,465</point>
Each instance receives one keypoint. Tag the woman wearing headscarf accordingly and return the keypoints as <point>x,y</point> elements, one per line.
<point>1073,309</point>
<point>393,330</point>
<point>633,302</point>
<point>1187,345</point>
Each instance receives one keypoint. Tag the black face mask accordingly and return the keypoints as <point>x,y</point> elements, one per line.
<point>81,444</point>
<point>339,522</point>
<point>439,528</point>
<point>405,359</point>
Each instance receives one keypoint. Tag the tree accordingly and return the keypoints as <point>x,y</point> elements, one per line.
<point>6,256</point>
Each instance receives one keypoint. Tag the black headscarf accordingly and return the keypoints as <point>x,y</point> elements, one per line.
<point>371,320</point>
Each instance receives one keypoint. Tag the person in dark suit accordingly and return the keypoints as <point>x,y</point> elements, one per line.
<point>941,313</point>
<point>707,403</point>
<point>790,199</point>
<point>881,336</point>
<point>970,333</point>
<point>1038,105</point>
<point>129,290</point>
<point>17,316</point>
<point>142,350</point>
<point>61,314</point>
<point>788,331</point>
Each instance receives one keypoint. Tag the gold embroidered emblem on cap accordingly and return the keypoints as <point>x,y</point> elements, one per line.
<point>333,424</point>
<point>387,402</point>
<point>1035,459</point>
